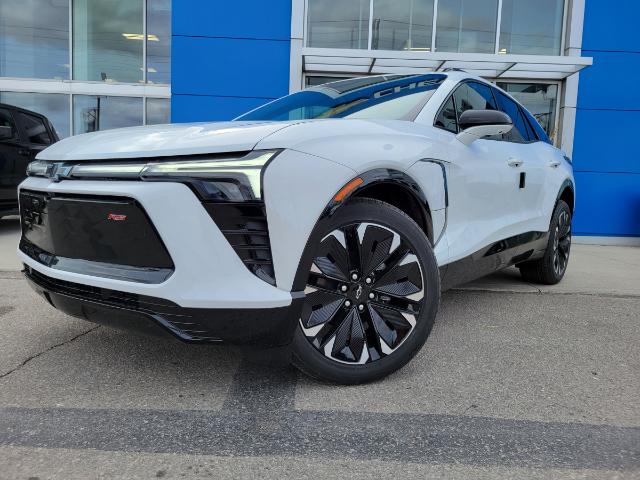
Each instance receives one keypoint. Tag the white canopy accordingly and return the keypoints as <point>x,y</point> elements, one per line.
<point>363,62</point>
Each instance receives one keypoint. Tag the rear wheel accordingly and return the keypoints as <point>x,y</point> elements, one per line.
<point>550,269</point>
<point>371,297</point>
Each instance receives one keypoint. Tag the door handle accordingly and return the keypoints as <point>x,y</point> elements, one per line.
<point>554,164</point>
<point>515,163</point>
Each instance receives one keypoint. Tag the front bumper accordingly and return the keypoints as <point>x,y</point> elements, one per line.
<point>208,273</point>
<point>266,327</point>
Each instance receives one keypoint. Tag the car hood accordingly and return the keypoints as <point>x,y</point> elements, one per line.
<point>162,141</point>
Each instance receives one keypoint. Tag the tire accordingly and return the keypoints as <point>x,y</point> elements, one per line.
<point>550,269</point>
<point>359,329</point>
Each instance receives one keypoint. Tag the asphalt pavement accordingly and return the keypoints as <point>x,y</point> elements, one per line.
<point>516,381</point>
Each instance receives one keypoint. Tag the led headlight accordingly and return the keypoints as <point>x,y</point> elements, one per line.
<point>221,178</point>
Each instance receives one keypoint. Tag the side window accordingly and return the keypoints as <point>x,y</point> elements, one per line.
<point>473,96</point>
<point>540,133</point>
<point>7,123</point>
<point>447,117</point>
<point>34,128</point>
<point>518,133</point>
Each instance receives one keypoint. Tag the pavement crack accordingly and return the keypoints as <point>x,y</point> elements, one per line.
<point>52,347</point>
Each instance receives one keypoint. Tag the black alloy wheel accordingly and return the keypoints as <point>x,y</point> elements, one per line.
<point>562,243</point>
<point>367,294</point>
<point>550,269</point>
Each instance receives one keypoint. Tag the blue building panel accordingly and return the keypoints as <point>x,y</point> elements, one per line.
<point>228,57</point>
<point>207,108</point>
<point>230,67</point>
<point>612,82</point>
<point>607,167</point>
<point>602,141</point>
<point>607,204</point>
<point>611,26</point>
<point>257,19</point>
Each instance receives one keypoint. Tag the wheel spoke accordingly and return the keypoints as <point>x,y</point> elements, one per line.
<point>377,244</point>
<point>320,281</point>
<point>403,280</point>
<point>353,247</point>
<point>320,307</point>
<point>332,259</point>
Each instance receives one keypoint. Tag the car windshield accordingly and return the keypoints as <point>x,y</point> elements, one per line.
<point>390,97</point>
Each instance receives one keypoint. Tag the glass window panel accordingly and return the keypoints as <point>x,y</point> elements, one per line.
<point>518,133</point>
<point>54,106</point>
<point>107,40</point>
<point>92,113</point>
<point>447,117</point>
<point>531,28</point>
<point>467,26</point>
<point>158,111</point>
<point>343,24</point>
<point>7,121</point>
<point>34,128</point>
<point>473,96</point>
<point>34,38</point>
<point>403,25</point>
<point>159,41</point>
<point>540,99</point>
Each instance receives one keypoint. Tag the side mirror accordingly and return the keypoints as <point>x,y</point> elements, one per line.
<point>6,132</point>
<point>476,124</point>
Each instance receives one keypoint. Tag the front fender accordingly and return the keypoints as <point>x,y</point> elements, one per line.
<point>297,187</point>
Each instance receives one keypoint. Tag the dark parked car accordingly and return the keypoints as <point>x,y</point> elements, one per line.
<point>22,135</point>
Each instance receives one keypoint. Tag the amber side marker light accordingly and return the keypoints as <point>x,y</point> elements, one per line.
<point>347,189</point>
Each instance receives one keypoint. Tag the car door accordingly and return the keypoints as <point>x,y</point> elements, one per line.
<point>526,158</point>
<point>482,186</point>
<point>12,152</point>
<point>37,136</point>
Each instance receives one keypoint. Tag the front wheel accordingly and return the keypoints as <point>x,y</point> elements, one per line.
<point>550,269</point>
<point>372,294</point>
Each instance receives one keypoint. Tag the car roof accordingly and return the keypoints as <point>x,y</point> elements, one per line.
<point>20,109</point>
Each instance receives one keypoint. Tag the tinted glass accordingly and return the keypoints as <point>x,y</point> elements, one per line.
<point>403,25</point>
<point>467,26</point>
<point>473,96</point>
<point>34,129</point>
<point>538,98</point>
<point>103,113</point>
<point>447,117</point>
<point>519,131</point>
<point>34,38</point>
<point>158,111</point>
<point>108,40</point>
<point>532,28</point>
<point>384,98</point>
<point>6,120</point>
<point>343,24</point>
<point>54,106</point>
<point>159,41</point>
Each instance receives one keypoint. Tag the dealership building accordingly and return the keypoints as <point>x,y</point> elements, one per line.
<point>99,64</point>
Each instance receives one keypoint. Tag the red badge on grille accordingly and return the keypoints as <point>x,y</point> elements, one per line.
<point>116,217</point>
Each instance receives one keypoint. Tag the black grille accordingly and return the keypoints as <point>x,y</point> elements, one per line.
<point>244,225</point>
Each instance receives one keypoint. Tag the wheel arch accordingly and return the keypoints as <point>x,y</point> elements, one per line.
<point>376,183</point>
<point>567,194</point>
<point>395,188</point>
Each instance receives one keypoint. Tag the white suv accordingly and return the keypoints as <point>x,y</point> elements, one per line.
<point>328,220</point>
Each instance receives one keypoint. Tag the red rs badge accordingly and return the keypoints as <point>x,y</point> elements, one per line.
<point>116,217</point>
